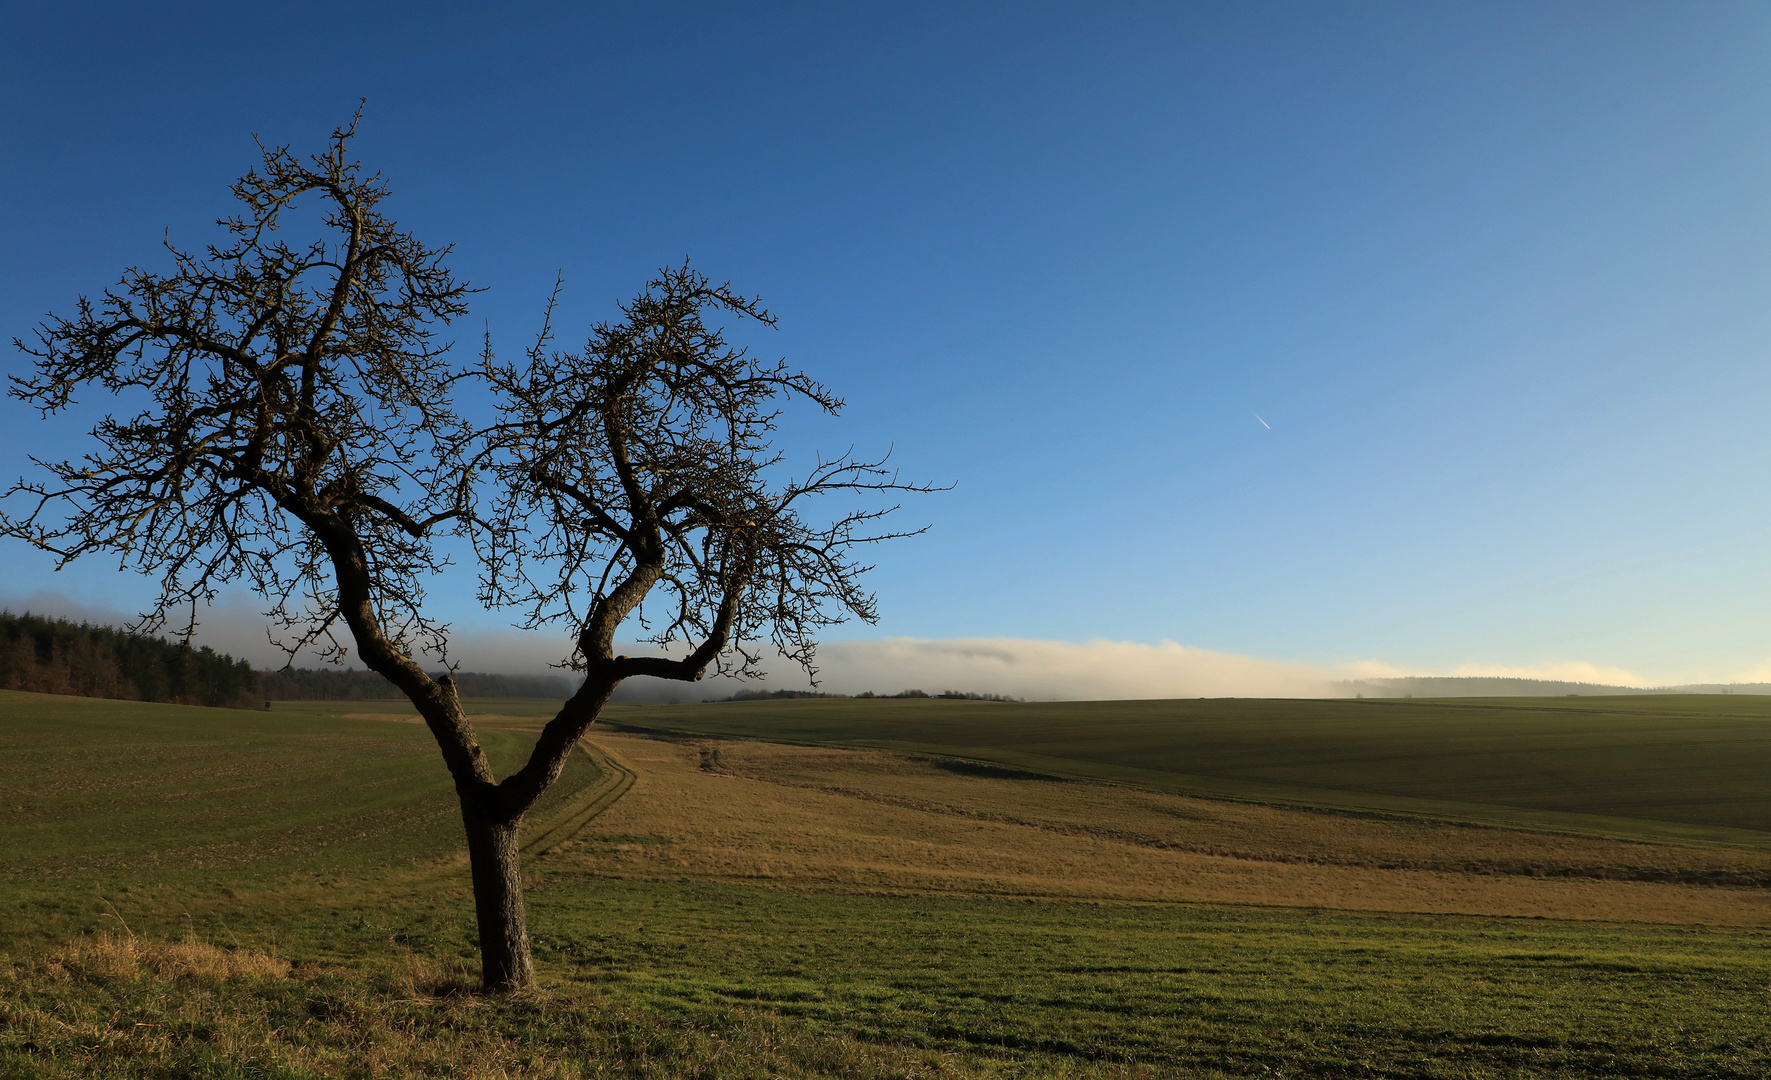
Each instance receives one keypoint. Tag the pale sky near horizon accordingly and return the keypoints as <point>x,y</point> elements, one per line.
<point>1424,336</point>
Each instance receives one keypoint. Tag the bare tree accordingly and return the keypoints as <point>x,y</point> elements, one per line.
<point>296,432</point>
<point>635,489</point>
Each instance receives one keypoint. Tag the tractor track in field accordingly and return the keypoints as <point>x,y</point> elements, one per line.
<point>617,781</point>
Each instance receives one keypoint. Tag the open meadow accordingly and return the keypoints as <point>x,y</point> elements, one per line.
<point>915,888</point>
<point>1678,766</point>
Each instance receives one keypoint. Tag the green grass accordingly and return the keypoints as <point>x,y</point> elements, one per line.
<point>1675,767</point>
<point>109,793</point>
<point>670,978</point>
<point>1017,987</point>
<point>1245,990</point>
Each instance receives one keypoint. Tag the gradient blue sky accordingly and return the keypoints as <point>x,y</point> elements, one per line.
<point>1495,274</point>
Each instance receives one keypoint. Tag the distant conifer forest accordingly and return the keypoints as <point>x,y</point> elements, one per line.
<point>55,656</point>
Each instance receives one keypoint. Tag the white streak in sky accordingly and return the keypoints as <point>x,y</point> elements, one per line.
<point>1264,424</point>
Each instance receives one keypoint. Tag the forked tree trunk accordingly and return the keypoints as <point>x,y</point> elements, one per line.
<point>498,901</point>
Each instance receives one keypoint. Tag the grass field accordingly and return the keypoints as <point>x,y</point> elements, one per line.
<point>1654,767</point>
<point>198,892</point>
<point>160,793</point>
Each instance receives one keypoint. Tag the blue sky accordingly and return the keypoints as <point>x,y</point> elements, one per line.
<point>1496,275</point>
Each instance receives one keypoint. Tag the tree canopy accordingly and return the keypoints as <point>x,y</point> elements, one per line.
<point>292,395</point>
<point>296,430</point>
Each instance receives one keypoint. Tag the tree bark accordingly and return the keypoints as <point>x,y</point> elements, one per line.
<point>495,861</point>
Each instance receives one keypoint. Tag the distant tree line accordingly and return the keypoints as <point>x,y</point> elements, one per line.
<point>344,684</point>
<point>945,695</point>
<point>55,656</point>
<point>777,695</point>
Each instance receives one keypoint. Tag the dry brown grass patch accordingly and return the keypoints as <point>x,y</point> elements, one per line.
<point>872,821</point>
<point>126,957</point>
<point>416,977</point>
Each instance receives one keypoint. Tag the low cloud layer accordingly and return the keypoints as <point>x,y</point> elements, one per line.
<point>1568,671</point>
<point>1015,667</point>
<point>1056,670</point>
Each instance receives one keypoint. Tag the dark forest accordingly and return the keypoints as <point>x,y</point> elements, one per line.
<point>55,656</point>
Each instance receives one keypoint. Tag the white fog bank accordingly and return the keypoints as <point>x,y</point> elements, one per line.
<point>1059,671</point>
<point>1013,667</point>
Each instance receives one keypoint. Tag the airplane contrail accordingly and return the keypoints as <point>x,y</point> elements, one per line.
<point>1264,424</point>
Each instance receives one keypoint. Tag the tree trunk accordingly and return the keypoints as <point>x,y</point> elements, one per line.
<point>498,901</point>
